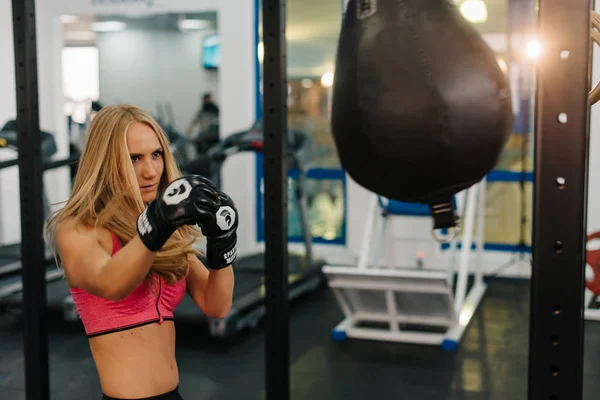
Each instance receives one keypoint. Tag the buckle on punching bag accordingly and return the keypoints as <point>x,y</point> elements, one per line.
<point>444,217</point>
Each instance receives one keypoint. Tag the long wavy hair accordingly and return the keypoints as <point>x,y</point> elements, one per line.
<point>106,192</point>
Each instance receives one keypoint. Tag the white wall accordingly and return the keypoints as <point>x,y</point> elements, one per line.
<point>144,67</point>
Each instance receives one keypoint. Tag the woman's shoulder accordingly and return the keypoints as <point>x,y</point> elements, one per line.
<point>72,227</point>
<point>72,231</point>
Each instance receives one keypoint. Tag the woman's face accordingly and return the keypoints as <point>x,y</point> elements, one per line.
<point>147,158</point>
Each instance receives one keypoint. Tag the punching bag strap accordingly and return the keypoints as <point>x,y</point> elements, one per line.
<point>444,217</point>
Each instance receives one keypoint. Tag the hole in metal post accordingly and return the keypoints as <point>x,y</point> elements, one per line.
<point>555,340</point>
<point>558,246</point>
<point>555,370</point>
<point>556,310</point>
<point>561,182</point>
<point>562,118</point>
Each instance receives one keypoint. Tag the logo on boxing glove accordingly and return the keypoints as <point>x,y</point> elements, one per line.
<point>225,217</point>
<point>230,255</point>
<point>177,192</point>
<point>144,226</point>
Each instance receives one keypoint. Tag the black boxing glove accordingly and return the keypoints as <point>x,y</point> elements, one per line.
<point>182,202</point>
<point>219,222</point>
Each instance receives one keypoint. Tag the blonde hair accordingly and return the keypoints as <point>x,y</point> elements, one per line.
<point>106,192</point>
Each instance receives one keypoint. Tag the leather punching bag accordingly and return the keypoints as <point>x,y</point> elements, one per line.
<point>421,109</point>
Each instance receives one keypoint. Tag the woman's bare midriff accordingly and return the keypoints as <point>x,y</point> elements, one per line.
<point>138,362</point>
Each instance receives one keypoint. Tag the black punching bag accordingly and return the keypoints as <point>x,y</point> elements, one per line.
<point>421,109</point>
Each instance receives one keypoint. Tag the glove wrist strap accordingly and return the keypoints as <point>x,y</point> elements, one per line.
<point>222,252</point>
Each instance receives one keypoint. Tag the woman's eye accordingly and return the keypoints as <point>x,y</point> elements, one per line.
<point>134,159</point>
<point>157,154</point>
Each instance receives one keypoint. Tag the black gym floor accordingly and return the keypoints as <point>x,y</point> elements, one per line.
<point>490,364</point>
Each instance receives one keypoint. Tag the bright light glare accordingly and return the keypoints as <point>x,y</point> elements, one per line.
<point>533,49</point>
<point>327,79</point>
<point>474,11</point>
<point>502,64</point>
<point>261,52</point>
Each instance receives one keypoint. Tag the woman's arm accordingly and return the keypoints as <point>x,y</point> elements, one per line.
<point>89,267</point>
<point>212,291</point>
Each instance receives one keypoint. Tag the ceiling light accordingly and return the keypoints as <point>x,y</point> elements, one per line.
<point>108,26</point>
<point>474,11</point>
<point>193,24</point>
<point>327,79</point>
<point>69,19</point>
<point>306,83</point>
<point>533,49</point>
<point>261,52</point>
<point>80,35</point>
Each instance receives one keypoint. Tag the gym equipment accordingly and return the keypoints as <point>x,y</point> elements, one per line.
<point>177,141</point>
<point>410,304</point>
<point>304,271</point>
<point>10,255</point>
<point>562,134</point>
<point>299,156</point>
<point>410,106</point>
<point>592,286</point>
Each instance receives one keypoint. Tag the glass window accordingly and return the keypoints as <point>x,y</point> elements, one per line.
<point>312,34</point>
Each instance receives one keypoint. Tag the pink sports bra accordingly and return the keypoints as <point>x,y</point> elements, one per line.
<point>147,304</point>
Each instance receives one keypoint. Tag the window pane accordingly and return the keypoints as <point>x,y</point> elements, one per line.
<point>312,35</point>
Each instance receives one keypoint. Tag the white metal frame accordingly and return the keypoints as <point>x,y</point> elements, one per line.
<point>370,293</point>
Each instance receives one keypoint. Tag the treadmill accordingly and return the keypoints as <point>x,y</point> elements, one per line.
<point>305,272</point>
<point>11,285</point>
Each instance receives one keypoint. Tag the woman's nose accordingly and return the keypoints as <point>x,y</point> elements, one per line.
<point>149,170</point>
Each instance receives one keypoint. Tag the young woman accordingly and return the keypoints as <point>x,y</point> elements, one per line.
<point>125,240</point>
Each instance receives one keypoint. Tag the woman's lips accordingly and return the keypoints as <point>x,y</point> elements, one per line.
<point>148,188</point>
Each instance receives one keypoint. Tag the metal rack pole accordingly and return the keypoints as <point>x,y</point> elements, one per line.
<point>31,192</point>
<point>277,352</point>
<point>560,200</point>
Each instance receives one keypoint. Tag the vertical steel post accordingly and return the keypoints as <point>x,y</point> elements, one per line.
<point>277,352</point>
<point>32,217</point>
<point>560,197</point>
